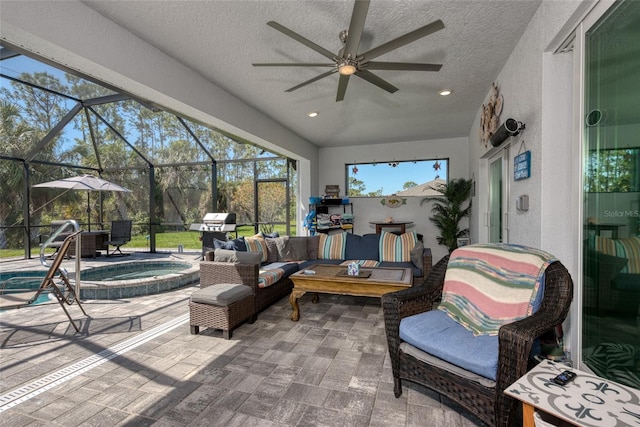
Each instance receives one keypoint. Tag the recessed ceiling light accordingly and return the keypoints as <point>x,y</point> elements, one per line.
<point>445,92</point>
<point>313,114</point>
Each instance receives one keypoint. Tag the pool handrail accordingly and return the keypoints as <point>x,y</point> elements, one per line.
<point>49,242</point>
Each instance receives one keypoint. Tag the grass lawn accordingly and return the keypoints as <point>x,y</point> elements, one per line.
<point>190,240</point>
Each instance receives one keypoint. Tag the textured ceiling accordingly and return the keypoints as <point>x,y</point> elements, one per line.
<point>221,39</point>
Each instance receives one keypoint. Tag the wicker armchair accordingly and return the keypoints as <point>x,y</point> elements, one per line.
<point>515,341</point>
<point>214,273</point>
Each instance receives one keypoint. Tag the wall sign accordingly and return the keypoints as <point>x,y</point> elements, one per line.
<point>522,166</point>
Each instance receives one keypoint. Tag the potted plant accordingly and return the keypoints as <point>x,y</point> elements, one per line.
<point>448,209</point>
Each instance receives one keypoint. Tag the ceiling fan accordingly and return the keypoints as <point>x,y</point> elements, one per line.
<point>349,61</point>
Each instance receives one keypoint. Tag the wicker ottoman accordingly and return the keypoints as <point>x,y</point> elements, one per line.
<point>223,306</point>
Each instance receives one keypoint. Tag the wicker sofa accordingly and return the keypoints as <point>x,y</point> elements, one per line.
<point>297,253</point>
<point>479,395</point>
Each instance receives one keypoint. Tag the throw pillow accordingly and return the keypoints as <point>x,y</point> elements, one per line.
<point>257,244</point>
<point>394,248</point>
<point>225,255</point>
<point>232,245</point>
<point>332,246</point>
<point>490,285</point>
<point>298,248</point>
<point>363,247</point>
<point>312,247</point>
<point>283,246</point>
<point>416,255</point>
<point>272,249</point>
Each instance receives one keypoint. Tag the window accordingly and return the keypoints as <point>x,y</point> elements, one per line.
<point>402,178</point>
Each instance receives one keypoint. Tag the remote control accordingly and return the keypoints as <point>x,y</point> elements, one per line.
<point>564,378</point>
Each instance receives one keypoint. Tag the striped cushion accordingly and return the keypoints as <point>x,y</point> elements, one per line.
<point>362,262</point>
<point>332,246</point>
<point>628,248</point>
<point>489,285</point>
<point>394,248</point>
<point>269,277</point>
<point>257,244</point>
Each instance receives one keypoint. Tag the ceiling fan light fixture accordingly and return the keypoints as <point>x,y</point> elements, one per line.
<point>347,67</point>
<point>445,92</point>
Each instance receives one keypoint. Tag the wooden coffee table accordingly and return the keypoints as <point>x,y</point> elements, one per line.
<point>330,279</point>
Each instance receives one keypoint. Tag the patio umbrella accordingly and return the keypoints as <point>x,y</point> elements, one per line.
<point>87,183</point>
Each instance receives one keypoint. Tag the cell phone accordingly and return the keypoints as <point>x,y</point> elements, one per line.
<point>564,378</point>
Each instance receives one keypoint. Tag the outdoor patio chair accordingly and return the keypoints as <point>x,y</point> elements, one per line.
<point>428,346</point>
<point>120,235</point>
<point>55,282</point>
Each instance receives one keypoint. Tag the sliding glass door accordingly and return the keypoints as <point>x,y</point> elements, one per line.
<point>611,194</point>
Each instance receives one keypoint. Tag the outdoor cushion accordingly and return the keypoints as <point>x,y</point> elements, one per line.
<point>234,245</point>
<point>489,285</point>
<point>225,255</point>
<point>332,246</point>
<point>257,244</point>
<point>362,247</point>
<point>269,276</point>
<point>396,248</point>
<point>442,364</point>
<point>223,294</point>
<point>436,333</point>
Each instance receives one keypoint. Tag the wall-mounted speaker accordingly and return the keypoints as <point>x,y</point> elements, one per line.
<point>510,127</point>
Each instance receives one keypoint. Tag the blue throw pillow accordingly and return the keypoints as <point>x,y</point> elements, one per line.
<point>362,247</point>
<point>232,245</point>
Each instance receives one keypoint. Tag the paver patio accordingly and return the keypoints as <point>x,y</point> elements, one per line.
<point>137,364</point>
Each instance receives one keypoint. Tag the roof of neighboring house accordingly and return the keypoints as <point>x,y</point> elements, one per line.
<point>425,189</point>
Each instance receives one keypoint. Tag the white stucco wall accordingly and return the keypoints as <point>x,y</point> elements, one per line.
<point>537,86</point>
<point>333,162</point>
<point>537,90</point>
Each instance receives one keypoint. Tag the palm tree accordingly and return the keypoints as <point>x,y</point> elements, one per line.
<point>448,210</point>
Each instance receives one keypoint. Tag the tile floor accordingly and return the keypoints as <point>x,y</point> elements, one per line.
<point>329,369</point>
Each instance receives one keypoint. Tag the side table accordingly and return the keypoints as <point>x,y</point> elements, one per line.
<point>588,400</point>
<point>381,224</point>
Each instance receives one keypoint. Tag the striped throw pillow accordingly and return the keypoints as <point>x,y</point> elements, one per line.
<point>332,246</point>
<point>489,285</point>
<point>257,244</point>
<point>394,248</point>
<point>628,248</point>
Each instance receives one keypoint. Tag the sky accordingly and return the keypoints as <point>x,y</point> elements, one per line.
<point>391,179</point>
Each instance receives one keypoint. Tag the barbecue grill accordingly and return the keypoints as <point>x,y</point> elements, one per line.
<point>215,225</point>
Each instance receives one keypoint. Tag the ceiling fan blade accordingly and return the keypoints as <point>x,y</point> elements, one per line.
<point>401,66</point>
<point>403,40</point>
<point>358,17</point>
<point>342,87</point>
<point>297,37</point>
<point>291,64</point>
<point>316,78</point>
<point>372,78</point>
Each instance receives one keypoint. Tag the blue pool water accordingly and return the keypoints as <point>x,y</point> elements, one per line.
<point>144,275</point>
